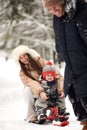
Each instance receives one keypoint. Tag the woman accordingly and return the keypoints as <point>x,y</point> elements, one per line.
<point>31,65</point>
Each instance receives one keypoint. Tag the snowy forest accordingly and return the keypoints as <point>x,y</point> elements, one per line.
<point>25,22</point>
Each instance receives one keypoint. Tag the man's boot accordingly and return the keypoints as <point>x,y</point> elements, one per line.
<point>84,123</point>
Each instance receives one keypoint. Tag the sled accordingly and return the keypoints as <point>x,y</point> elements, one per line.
<point>54,117</point>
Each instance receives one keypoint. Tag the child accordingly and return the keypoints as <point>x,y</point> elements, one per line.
<point>50,83</point>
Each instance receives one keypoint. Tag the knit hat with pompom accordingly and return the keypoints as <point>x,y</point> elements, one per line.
<point>48,69</point>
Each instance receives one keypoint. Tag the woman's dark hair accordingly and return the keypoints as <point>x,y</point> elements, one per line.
<point>36,66</point>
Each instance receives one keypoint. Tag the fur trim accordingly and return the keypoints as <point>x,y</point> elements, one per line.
<point>21,49</point>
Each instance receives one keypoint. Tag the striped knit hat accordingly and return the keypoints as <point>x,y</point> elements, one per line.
<point>48,69</point>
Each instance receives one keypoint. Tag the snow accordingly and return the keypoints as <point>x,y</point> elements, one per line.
<point>12,105</point>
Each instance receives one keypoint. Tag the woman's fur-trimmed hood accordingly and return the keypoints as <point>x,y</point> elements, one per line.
<point>22,49</point>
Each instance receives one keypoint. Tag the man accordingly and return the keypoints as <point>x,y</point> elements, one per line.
<point>70,28</point>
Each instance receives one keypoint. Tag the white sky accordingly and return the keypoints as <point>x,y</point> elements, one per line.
<point>12,106</point>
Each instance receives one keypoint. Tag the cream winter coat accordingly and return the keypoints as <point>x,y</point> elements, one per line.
<point>28,81</point>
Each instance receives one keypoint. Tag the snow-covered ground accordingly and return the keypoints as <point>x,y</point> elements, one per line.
<point>12,106</point>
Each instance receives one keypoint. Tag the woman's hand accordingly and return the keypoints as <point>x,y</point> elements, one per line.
<point>43,96</point>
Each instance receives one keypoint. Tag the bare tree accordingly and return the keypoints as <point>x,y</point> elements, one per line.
<point>24,22</point>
